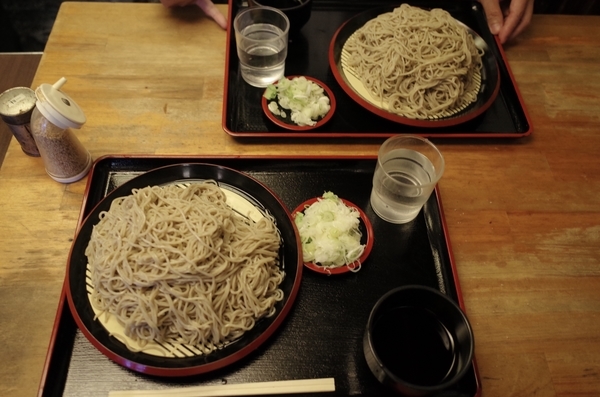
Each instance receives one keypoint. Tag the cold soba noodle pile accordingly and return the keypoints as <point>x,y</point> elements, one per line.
<point>421,64</point>
<point>178,265</point>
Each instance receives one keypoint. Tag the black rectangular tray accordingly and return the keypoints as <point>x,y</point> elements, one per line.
<point>322,335</point>
<point>308,55</point>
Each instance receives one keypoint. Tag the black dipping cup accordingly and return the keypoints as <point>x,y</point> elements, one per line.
<point>297,11</point>
<point>418,341</point>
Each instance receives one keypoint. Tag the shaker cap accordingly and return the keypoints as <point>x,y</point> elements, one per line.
<point>16,105</point>
<point>59,108</point>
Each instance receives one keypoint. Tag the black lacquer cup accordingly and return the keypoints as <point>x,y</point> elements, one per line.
<point>418,341</point>
<point>297,11</point>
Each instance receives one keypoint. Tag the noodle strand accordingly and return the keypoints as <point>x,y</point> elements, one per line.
<point>177,265</point>
<point>421,64</point>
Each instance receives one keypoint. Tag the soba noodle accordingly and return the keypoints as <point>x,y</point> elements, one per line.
<point>421,63</point>
<point>178,265</point>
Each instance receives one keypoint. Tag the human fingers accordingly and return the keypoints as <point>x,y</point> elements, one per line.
<point>213,12</point>
<point>493,14</point>
<point>517,19</point>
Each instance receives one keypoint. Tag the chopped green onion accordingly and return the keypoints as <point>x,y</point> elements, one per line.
<point>329,232</point>
<point>304,98</point>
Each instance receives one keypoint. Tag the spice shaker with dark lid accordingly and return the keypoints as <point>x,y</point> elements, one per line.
<point>52,121</point>
<point>16,106</point>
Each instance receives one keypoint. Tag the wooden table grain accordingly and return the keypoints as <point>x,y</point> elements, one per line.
<point>523,215</point>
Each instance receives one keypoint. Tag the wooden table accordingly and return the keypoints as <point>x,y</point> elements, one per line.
<point>523,215</point>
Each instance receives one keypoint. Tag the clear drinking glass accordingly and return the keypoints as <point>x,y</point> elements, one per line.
<point>408,168</point>
<point>261,36</point>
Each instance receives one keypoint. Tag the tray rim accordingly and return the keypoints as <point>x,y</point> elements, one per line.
<point>429,133</point>
<point>63,307</point>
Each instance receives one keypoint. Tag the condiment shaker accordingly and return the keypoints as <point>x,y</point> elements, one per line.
<point>55,115</point>
<point>16,107</point>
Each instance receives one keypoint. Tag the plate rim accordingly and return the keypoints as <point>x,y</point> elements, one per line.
<point>461,117</point>
<point>128,360</point>
<point>368,245</point>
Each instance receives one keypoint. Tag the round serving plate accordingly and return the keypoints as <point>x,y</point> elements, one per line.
<point>249,198</point>
<point>489,84</point>
<point>366,230</point>
<point>286,122</point>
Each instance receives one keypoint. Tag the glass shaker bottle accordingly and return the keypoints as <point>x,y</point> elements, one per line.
<point>52,121</point>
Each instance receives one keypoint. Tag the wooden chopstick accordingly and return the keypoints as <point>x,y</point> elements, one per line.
<point>242,389</point>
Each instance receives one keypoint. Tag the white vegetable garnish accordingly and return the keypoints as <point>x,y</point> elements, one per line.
<point>304,98</point>
<point>275,109</point>
<point>329,232</point>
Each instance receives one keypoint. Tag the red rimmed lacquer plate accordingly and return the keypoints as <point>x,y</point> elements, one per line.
<point>248,197</point>
<point>287,123</point>
<point>350,82</point>
<point>365,228</point>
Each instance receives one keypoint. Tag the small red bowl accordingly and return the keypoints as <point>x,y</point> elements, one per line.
<point>367,239</point>
<point>287,122</point>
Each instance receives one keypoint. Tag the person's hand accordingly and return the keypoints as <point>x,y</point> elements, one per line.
<point>507,18</point>
<point>206,5</point>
